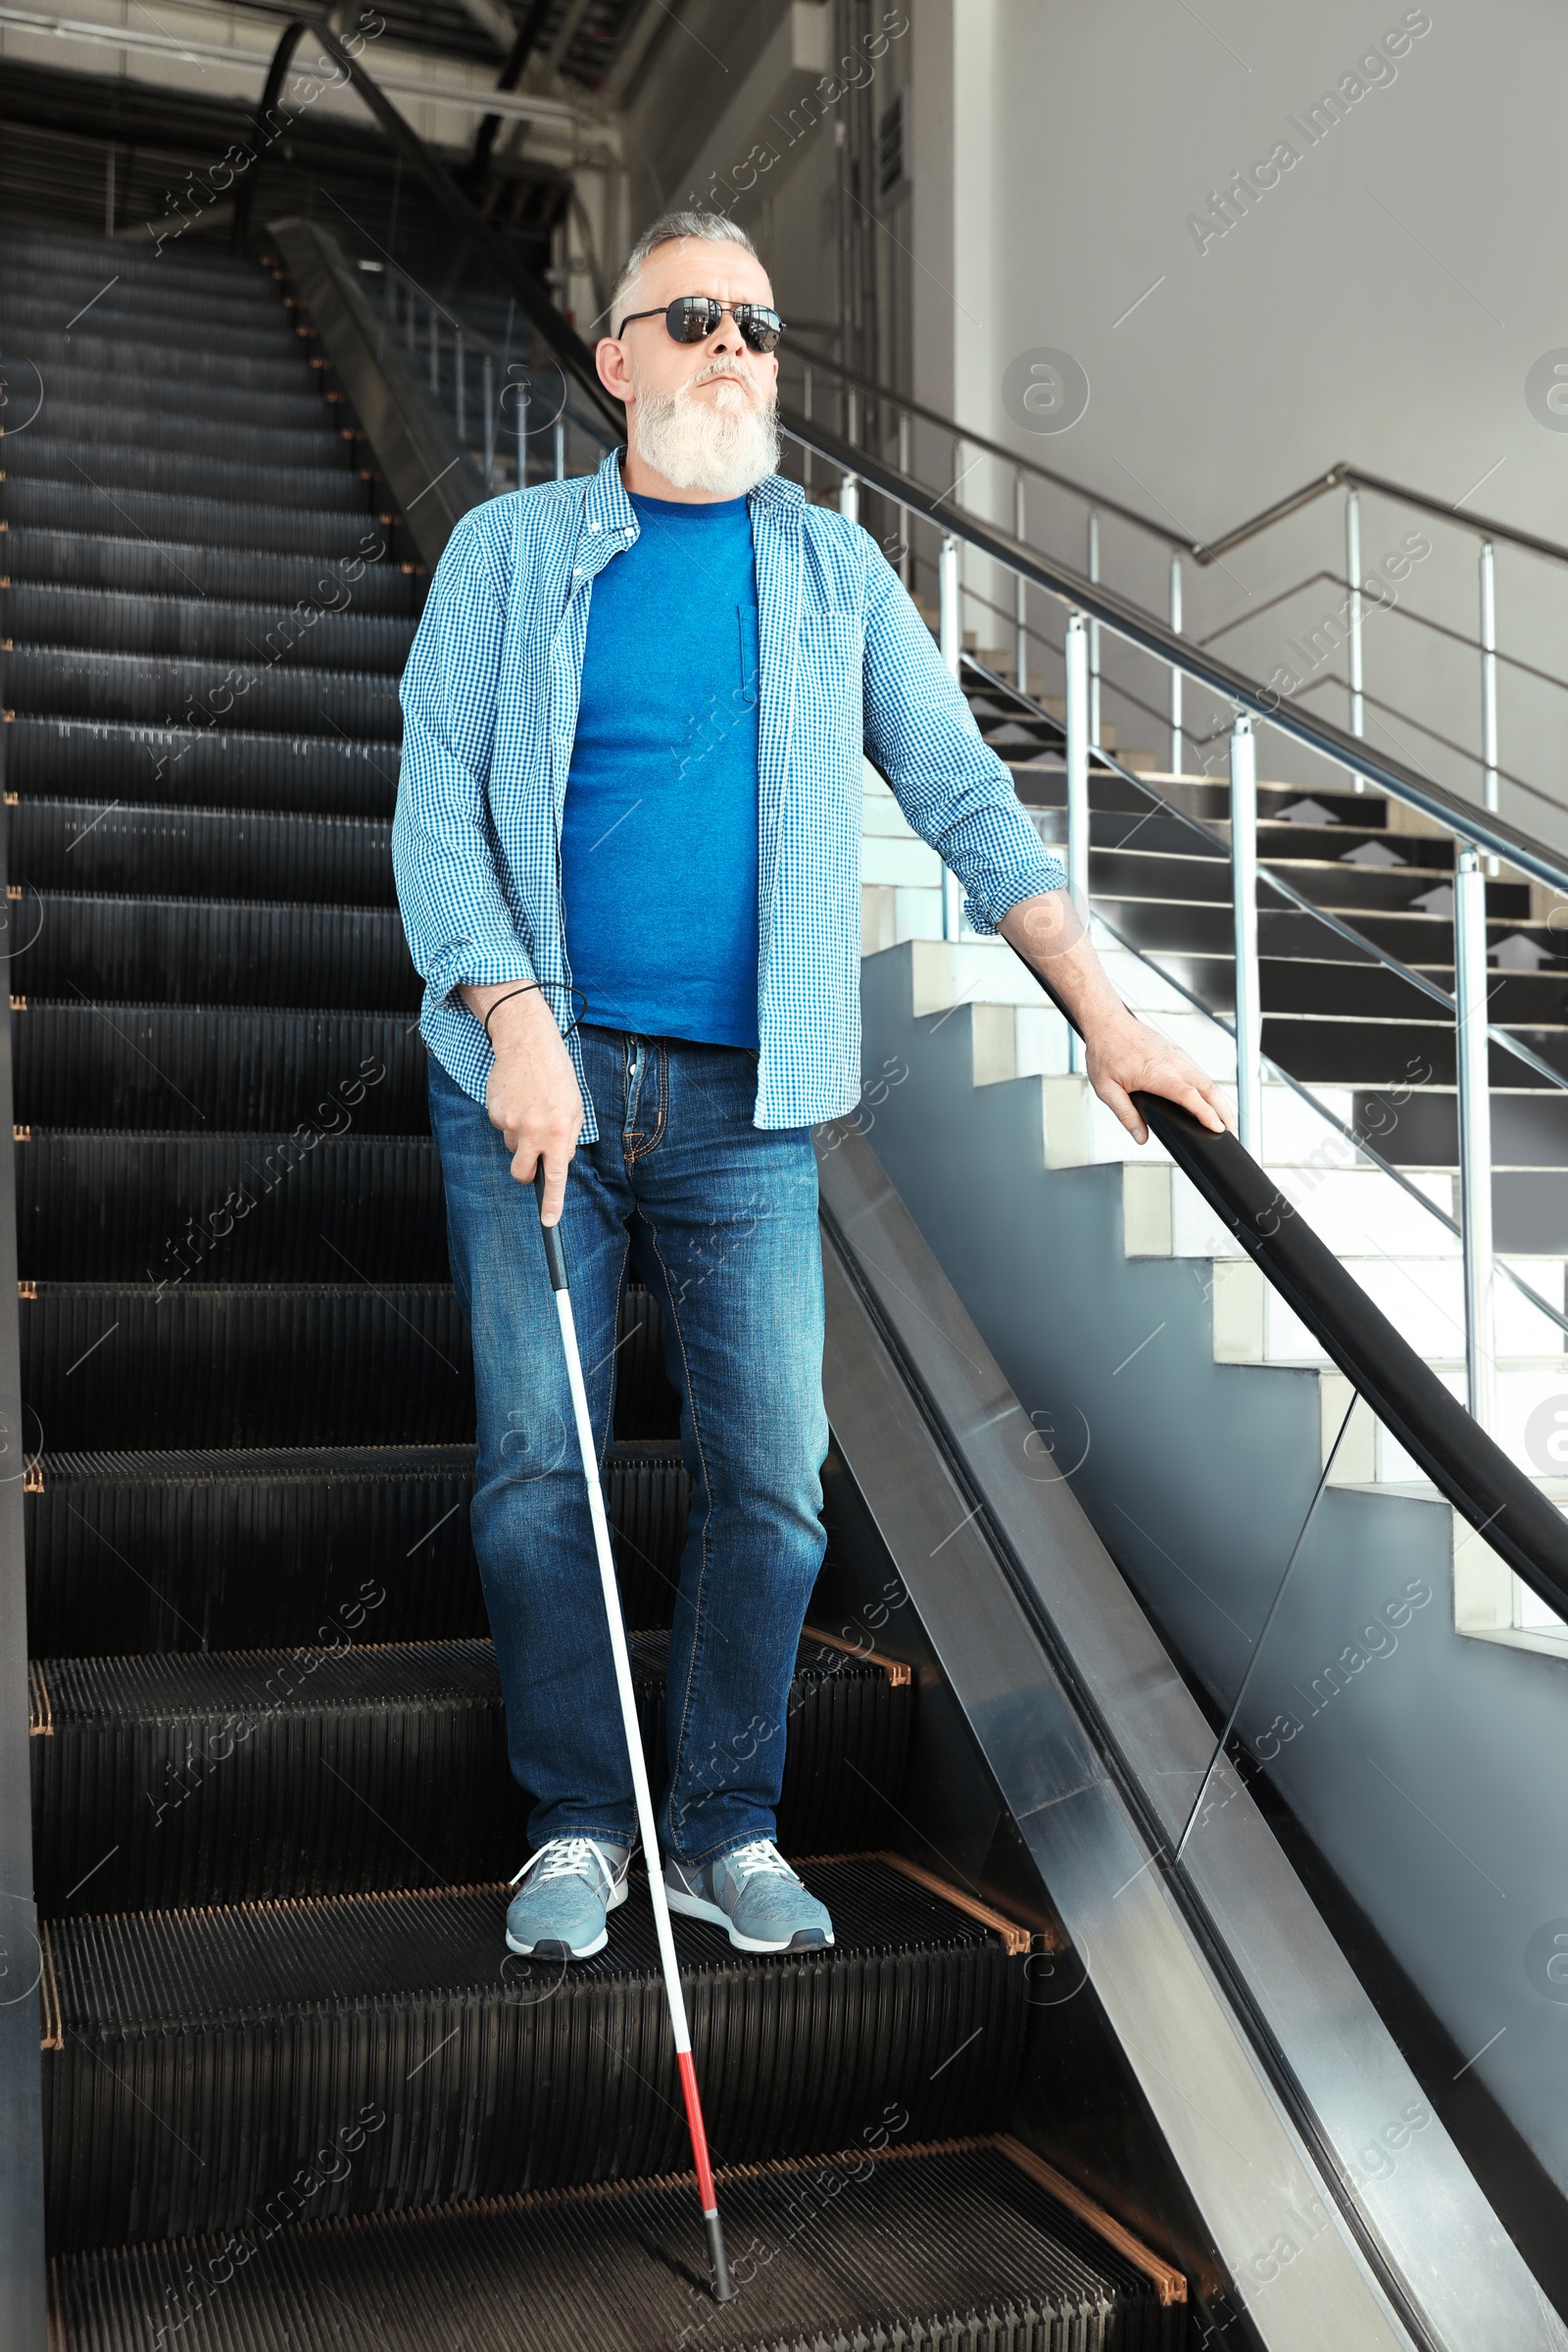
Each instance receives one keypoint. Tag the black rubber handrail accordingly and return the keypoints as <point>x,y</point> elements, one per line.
<point>1467,1466</point>
<point>532,298</point>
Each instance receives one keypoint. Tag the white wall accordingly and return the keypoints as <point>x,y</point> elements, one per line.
<point>1383,303</point>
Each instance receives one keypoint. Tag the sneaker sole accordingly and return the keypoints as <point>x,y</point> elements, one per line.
<point>552,1948</point>
<point>692,1906</point>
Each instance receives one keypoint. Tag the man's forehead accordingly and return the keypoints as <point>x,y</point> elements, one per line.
<point>705,266</point>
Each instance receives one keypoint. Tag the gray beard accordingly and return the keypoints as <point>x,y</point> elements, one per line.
<point>698,446</point>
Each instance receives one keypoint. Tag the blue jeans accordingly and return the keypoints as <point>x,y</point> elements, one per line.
<point>719,1219</point>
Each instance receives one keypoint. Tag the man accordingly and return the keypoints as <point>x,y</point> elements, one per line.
<point>628,850</point>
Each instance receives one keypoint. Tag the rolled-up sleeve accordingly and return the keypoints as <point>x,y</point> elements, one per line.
<point>456,916</point>
<point>956,793</point>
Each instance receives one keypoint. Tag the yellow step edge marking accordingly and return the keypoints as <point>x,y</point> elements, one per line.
<point>1169,2283</point>
<point>896,1670</point>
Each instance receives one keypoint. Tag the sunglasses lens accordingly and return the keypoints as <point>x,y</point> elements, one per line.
<point>760,328</point>
<point>692,317</point>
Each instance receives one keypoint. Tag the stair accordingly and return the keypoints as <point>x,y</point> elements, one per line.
<point>296,2091</point>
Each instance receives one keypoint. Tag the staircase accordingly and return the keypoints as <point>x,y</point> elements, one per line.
<point>296,2092</point>
<point>1372,1050</point>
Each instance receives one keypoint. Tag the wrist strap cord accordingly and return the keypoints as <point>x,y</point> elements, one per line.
<point>525,988</point>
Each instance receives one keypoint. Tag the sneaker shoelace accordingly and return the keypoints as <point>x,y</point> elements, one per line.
<point>760,1855</point>
<point>565,1858</point>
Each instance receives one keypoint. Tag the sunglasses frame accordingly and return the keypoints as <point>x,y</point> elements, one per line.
<point>743,314</point>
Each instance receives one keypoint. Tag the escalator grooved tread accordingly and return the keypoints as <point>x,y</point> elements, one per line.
<point>40,557</point>
<point>226,854</point>
<point>280,2007</point>
<point>246,1068</point>
<point>254,1549</point>
<point>918,2247</point>
<point>192,1777</point>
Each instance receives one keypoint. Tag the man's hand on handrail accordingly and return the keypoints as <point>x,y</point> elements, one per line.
<point>1124,1055</point>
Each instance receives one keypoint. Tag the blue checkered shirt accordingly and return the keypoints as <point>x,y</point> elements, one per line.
<point>490,708</point>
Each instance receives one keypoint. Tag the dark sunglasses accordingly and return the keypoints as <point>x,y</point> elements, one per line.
<point>693,317</point>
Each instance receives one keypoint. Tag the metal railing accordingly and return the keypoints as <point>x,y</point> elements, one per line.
<point>491,391</point>
<point>1480,837</point>
<point>868,411</point>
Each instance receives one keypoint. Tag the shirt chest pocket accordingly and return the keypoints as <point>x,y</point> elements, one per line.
<point>830,694</point>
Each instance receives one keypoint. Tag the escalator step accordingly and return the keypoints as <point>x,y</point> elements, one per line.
<point>207,2056</point>
<point>107,1207</point>
<point>213,951</point>
<point>264,1364</point>
<point>59,258</point>
<point>326,635</point>
<point>253,692</point>
<point>181,363</point>
<point>140,1552</point>
<point>124,1366</point>
<point>232,1777</point>
<point>112,467</point>
<point>317,441</point>
<point>211,522</point>
<point>193,265</point>
<point>921,2249</point>
<point>192,1067</point>
<point>211,853</point>
<point>296,401</point>
<point>116,309</point>
<point>198,767</point>
<point>83,559</point>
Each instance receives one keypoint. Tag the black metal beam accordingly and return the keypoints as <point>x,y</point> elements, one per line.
<point>511,73</point>
<point>532,298</point>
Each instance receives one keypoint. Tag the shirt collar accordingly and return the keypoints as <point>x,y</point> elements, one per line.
<point>608,512</point>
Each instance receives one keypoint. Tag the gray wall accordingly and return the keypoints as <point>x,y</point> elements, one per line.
<point>1428,1775</point>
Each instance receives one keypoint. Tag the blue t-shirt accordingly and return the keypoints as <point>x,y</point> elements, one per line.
<point>659,835</point>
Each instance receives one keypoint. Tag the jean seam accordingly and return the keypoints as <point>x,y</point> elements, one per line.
<point>601,1837</point>
<point>708,1489</point>
<point>661,1120</point>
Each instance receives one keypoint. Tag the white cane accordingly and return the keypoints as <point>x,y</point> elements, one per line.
<point>554,1258</point>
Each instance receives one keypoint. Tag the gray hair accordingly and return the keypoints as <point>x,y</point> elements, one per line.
<point>714,228</point>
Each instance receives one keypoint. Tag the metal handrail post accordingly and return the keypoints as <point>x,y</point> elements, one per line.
<point>1243,893</point>
<point>520,417</point>
<point>1489,676</point>
<point>435,350</point>
<point>1094,633</point>
<point>906,551</point>
<point>1020,586</point>
<point>561,449</point>
<point>950,639</point>
<point>1075,653</point>
<point>488,372</point>
<point>806,410</point>
<point>1175,675</point>
<point>850,498</point>
<point>462,386</point>
<point>1353,573</point>
<point>1474,1128</point>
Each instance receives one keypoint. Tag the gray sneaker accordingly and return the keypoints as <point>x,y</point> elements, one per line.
<point>574,1885</point>
<point>752,1892</point>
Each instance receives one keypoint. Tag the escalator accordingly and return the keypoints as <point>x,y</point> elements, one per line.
<point>1058,2083</point>
<point>293,2086</point>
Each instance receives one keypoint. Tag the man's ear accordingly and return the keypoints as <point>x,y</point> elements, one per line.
<point>610,359</point>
